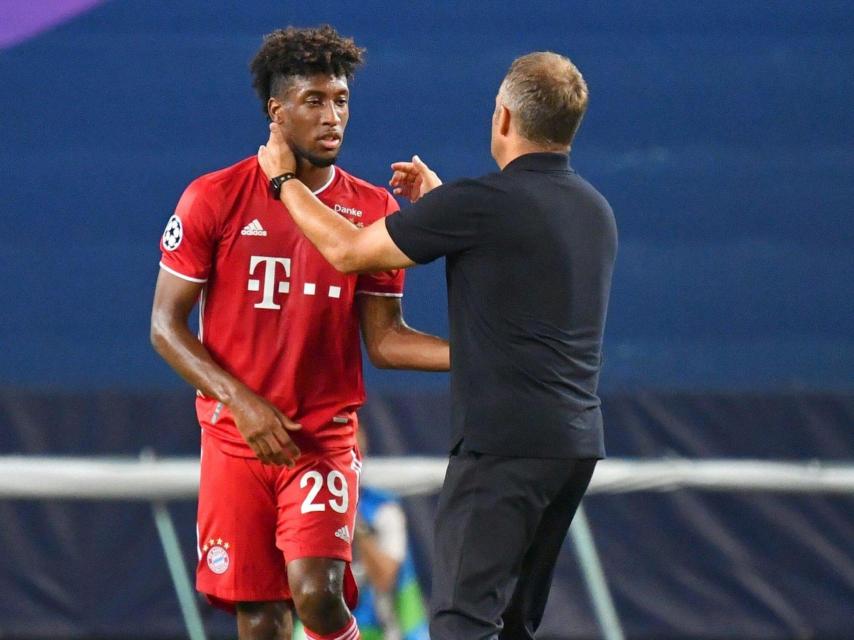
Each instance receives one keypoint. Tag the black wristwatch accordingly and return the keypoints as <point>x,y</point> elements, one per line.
<point>277,182</point>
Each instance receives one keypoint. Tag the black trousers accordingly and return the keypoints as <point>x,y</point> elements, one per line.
<point>500,525</point>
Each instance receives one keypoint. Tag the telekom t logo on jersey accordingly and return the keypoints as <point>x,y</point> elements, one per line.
<point>272,269</point>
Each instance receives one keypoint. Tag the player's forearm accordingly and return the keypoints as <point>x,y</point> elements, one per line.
<point>333,236</point>
<point>182,350</point>
<point>402,347</point>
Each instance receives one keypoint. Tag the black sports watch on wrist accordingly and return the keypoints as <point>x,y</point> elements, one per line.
<point>277,182</point>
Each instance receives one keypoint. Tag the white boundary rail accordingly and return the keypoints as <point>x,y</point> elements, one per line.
<point>160,480</point>
<point>177,478</point>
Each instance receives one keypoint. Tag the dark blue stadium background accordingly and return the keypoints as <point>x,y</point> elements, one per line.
<point>720,131</point>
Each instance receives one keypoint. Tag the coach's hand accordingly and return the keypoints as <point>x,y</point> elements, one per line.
<point>412,180</point>
<point>265,429</point>
<point>276,157</point>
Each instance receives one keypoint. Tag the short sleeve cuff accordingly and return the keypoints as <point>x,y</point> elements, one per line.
<point>382,294</point>
<point>183,276</point>
<point>398,231</point>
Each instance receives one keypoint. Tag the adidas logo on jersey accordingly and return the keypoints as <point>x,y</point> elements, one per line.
<point>344,534</point>
<point>254,228</point>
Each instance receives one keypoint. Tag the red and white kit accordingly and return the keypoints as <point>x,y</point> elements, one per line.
<point>278,317</point>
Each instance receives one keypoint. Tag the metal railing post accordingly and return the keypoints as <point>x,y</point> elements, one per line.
<point>594,577</point>
<point>180,579</point>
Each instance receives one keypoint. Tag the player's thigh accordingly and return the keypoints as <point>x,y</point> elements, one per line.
<point>317,507</point>
<point>237,517</point>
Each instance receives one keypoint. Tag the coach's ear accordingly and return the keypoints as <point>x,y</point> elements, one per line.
<point>504,118</point>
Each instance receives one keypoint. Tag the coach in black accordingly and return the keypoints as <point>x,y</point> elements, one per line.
<point>529,256</point>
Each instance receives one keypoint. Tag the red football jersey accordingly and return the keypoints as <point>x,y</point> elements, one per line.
<point>274,313</point>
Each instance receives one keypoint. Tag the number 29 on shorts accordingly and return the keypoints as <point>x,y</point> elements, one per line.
<point>336,484</point>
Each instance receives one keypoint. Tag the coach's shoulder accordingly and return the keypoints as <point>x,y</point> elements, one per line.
<point>587,193</point>
<point>487,186</point>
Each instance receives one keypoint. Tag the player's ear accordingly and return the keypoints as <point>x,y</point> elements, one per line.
<point>275,111</point>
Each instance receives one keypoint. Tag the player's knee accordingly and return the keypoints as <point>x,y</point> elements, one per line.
<point>264,621</point>
<point>317,602</point>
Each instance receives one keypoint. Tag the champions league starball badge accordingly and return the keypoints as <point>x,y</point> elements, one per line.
<point>173,234</point>
<point>217,555</point>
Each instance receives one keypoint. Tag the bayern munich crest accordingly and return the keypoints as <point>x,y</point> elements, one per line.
<point>216,555</point>
<point>173,234</point>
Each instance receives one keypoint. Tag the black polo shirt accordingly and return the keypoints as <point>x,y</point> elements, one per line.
<point>529,256</point>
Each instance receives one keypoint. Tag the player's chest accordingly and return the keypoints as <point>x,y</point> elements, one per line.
<point>263,252</point>
<point>263,226</point>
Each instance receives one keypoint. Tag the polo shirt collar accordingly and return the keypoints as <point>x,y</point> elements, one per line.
<point>546,161</point>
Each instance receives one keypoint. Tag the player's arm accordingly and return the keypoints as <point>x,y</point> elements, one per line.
<point>261,424</point>
<point>392,344</point>
<point>346,247</point>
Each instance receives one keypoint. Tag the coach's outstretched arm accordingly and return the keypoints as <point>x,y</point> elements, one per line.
<point>346,247</point>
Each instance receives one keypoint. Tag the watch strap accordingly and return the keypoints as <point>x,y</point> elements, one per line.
<point>277,182</point>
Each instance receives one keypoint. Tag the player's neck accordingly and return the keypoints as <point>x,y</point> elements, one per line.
<point>314,177</point>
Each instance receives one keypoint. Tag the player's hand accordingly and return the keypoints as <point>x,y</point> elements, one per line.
<point>412,180</point>
<point>265,429</point>
<point>276,157</point>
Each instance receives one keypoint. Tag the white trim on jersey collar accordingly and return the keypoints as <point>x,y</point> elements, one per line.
<point>328,182</point>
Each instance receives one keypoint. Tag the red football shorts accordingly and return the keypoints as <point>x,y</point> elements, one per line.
<point>254,518</point>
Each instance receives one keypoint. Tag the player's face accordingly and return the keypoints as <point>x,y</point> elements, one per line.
<point>314,114</point>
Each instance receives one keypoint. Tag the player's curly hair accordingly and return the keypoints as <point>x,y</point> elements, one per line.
<point>294,51</point>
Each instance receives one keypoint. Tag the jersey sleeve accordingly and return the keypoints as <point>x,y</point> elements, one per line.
<point>444,222</point>
<point>189,240</point>
<point>383,283</point>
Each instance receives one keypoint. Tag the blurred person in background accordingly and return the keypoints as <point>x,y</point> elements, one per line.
<point>277,362</point>
<point>391,604</point>
<point>529,257</point>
